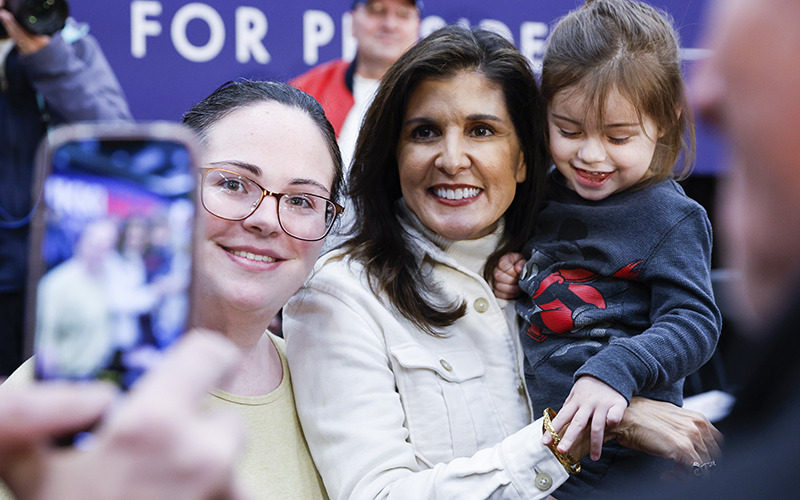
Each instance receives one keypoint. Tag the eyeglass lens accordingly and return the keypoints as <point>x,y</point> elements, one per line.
<point>232,196</point>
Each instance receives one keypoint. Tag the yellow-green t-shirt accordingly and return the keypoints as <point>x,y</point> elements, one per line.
<point>276,463</point>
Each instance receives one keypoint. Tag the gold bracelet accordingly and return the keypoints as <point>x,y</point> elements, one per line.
<point>568,461</point>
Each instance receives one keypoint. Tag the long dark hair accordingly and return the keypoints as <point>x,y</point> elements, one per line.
<point>378,240</point>
<point>239,94</point>
<point>630,47</point>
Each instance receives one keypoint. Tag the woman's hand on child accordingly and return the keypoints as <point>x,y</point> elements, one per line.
<point>506,275</point>
<point>668,431</point>
<point>590,399</point>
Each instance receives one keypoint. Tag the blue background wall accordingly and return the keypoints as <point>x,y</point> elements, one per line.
<point>169,54</point>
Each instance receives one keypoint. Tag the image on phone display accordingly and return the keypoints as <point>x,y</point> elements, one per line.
<point>111,256</point>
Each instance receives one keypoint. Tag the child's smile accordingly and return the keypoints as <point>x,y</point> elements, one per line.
<point>592,178</point>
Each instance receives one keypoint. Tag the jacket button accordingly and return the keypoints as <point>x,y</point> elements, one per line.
<point>445,365</point>
<point>544,481</point>
<point>481,305</point>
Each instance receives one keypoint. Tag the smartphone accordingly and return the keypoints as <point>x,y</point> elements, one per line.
<point>110,249</point>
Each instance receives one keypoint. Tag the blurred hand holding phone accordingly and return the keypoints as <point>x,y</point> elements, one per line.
<point>111,249</point>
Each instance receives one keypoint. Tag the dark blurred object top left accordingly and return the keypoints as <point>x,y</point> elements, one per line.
<point>40,17</point>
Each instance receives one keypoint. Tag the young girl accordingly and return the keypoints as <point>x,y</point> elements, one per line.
<point>617,294</point>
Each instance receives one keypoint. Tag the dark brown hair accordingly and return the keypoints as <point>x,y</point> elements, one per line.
<point>238,94</point>
<point>630,47</point>
<point>378,238</point>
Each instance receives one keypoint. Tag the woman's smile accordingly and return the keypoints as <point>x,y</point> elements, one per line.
<point>253,256</point>
<point>449,193</point>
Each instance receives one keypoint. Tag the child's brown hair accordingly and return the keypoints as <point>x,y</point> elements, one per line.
<point>632,48</point>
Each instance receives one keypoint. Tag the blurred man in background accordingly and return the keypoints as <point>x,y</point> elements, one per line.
<point>384,30</point>
<point>749,90</point>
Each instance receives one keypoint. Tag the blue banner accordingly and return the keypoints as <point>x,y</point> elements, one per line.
<point>168,54</point>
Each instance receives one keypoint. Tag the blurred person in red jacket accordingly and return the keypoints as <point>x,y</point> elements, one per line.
<point>384,30</point>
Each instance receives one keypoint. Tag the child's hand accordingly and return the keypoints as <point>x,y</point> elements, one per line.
<point>589,399</point>
<point>506,275</point>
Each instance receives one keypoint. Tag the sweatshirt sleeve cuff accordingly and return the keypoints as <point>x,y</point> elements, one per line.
<point>617,367</point>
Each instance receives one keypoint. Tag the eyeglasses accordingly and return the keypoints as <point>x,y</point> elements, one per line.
<point>378,9</point>
<point>232,196</point>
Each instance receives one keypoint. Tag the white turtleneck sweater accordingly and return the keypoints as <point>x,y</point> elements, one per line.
<point>390,411</point>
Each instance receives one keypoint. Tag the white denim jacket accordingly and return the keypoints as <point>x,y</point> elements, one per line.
<point>392,412</point>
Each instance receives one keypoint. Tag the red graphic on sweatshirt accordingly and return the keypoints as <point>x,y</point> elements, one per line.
<point>558,314</point>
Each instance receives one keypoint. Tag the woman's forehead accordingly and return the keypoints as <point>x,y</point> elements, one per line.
<point>272,142</point>
<point>468,91</point>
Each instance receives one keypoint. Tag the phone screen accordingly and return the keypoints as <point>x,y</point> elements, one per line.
<point>111,254</point>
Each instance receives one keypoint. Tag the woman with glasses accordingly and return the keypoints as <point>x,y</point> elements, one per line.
<point>272,171</point>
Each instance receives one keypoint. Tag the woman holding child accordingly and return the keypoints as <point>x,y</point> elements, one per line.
<point>407,369</point>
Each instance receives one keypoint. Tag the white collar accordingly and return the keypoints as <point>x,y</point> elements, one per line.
<point>471,254</point>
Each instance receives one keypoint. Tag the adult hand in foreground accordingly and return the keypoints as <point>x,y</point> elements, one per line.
<point>156,443</point>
